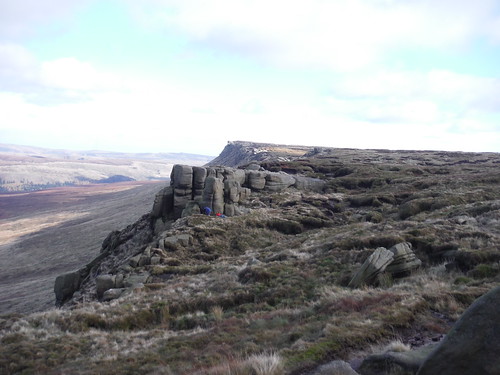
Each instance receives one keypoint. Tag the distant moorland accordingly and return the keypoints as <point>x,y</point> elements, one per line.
<point>26,168</point>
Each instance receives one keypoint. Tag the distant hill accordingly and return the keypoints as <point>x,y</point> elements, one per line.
<point>239,153</point>
<point>27,168</point>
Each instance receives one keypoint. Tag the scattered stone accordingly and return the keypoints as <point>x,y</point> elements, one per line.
<point>103,283</point>
<point>191,208</point>
<point>178,240</point>
<point>134,261</point>
<point>400,363</point>
<point>112,294</point>
<point>374,265</point>
<point>131,281</point>
<point>472,346</point>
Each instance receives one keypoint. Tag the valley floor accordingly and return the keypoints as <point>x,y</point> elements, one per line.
<point>46,233</point>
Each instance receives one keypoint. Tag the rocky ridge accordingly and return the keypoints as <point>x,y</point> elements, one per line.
<point>270,279</point>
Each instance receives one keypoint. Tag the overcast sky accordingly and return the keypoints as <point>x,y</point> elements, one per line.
<point>190,75</point>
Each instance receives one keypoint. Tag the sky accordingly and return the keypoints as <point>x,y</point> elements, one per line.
<point>191,75</point>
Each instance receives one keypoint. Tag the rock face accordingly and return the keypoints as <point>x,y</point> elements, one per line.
<point>472,347</point>
<point>65,286</point>
<point>399,260</point>
<point>222,189</point>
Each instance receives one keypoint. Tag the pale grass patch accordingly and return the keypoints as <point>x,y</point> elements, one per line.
<point>396,346</point>
<point>218,313</point>
<point>257,364</point>
<point>266,364</point>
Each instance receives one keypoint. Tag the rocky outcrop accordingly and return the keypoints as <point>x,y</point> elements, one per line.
<point>222,189</point>
<point>398,261</point>
<point>472,346</point>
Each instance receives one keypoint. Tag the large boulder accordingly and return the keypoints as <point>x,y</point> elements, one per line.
<point>376,263</point>
<point>182,177</point>
<point>404,260</point>
<point>308,183</point>
<point>278,181</point>
<point>472,347</point>
<point>66,285</point>
<point>103,283</point>
<point>256,180</point>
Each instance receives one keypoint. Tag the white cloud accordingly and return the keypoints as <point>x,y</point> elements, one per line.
<point>22,17</point>
<point>344,35</point>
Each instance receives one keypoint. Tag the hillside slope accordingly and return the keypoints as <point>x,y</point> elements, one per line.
<point>216,295</point>
<point>45,233</point>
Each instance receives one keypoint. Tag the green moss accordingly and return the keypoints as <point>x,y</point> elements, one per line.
<point>484,271</point>
<point>285,226</point>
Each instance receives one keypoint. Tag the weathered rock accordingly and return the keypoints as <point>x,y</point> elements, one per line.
<point>182,177</point>
<point>232,191</point>
<point>309,183</point>
<point>404,260</point>
<point>256,180</point>
<point>178,240</point>
<point>397,363</point>
<point>65,285</point>
<point>119,280</point>
<point>103,283</point>
<point>335,368</point>
<point>163,203</point>
<point>133,280</point>
<point>244,194</point>
<point>191,208</point>
<point>230,209</point>
<point>112,294</point>
<point>213,194</point>
<point>374,265</point>
<point>278,181</point>
<point>199,176</point>
<point>472,346</point>
<point>134,261</point>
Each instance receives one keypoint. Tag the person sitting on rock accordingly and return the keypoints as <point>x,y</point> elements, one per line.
<point>207,211</point>
<point>218,214</point>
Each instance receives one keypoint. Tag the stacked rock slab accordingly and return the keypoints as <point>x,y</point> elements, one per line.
<point>398,261</point>
<point>404,260</point>
<point>222,189</point>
